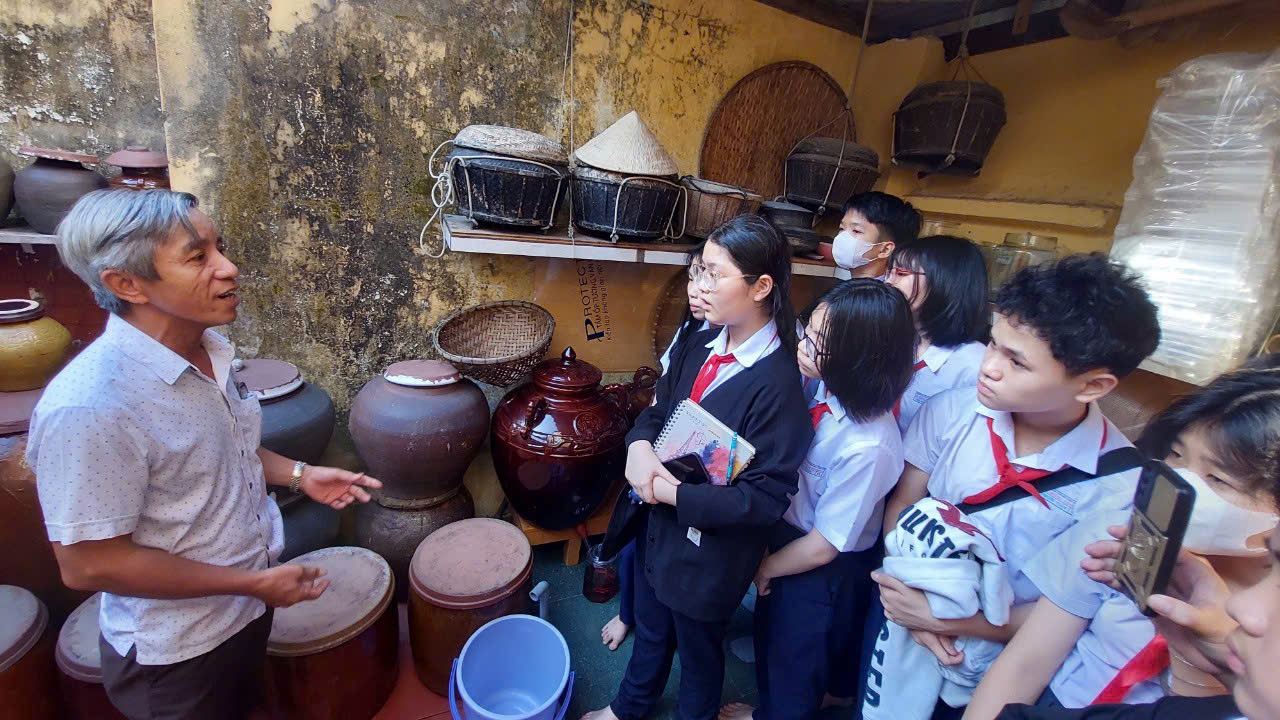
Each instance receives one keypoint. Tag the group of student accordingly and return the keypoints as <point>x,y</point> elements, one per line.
<point>925,483</point>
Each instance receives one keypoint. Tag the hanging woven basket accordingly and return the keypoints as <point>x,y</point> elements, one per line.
<point>947,127</point>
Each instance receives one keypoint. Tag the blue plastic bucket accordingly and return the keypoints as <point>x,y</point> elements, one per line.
<point>512,668</point>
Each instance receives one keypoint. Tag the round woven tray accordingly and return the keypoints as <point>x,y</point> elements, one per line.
<point>498,342</point>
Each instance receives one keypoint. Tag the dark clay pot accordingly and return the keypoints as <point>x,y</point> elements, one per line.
<point>418,427</point>
<point>140,169</point>
<point>558,441</point>
<point>394,533</point>
<point>46,189</point>
<point>6,189</point>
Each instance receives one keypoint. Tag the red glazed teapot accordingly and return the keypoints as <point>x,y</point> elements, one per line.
<point>558,441</point>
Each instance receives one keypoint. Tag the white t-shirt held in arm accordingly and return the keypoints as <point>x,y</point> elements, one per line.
<point>850,468</point>
<point>944,368</point>
<point>131,439</point>
<point>1117,630</point>
<point>948,439</point>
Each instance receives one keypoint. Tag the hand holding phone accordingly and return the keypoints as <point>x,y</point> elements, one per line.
<point>1161,510</point>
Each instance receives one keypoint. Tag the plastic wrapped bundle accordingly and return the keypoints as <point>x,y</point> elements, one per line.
<point>1200,220</point>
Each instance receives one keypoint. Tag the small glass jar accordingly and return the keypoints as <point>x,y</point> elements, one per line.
<point>599,576</point>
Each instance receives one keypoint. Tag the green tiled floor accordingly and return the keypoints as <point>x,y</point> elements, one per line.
<point>599,671</point>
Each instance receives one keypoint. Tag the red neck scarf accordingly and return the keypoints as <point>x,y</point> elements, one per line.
<point>1007,476</point>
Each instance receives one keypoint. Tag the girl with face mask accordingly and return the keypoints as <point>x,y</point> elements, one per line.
<point>1224,439</point>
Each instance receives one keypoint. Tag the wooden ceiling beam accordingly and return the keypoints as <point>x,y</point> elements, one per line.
<point>821,13</point>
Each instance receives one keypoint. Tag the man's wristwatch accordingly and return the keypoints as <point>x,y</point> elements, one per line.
<point>296,478</point>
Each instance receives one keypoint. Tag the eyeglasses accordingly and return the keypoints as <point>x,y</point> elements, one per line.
<point>810,348</point>
<point>707,280</point>
<point>905,272</point>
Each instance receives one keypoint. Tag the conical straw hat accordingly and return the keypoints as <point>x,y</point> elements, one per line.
<point>628,146</point>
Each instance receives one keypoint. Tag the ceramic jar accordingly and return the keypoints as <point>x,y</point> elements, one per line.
<point>140,169</point>
<point>558,441</point>
<point>46,189</point>
<point>6,189</point>
<point>28,675</point>
<point>80,666</point>
<point>417,427</point>
<point>32,346</point>
<point>394,532</point>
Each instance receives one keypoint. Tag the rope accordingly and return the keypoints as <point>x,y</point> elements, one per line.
<point>570,104</point>
<point>963,55</point>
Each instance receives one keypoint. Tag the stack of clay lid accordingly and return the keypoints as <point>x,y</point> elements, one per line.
<point>640,209</point>
<point>141,169</point>
<point>508,176</point>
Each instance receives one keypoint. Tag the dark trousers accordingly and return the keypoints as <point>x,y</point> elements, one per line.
<point>627,584</point>
<point>808,629</point>
<point>222,684</point>
<point>659,633</point>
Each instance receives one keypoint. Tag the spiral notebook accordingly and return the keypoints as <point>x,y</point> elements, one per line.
<point>693,430</point>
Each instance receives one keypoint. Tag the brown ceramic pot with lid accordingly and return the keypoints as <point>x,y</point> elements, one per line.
<point>32,345</point>
<point>558,441</point>
<point>28,676</point>
<point>140,169</point>
<point>464,575</point>
<point>47,188</point>
<point>417,427</point>
<point>336,657</point>
<point>80,665</point>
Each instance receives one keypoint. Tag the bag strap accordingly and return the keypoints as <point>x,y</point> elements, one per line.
<point>1109,463</point>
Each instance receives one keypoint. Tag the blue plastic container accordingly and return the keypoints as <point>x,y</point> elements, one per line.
<point>512,668</point>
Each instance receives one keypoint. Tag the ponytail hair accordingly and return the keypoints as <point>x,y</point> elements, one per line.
<point>758,249</point>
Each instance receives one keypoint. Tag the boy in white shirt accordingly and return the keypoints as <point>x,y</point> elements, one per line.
<point>1065,334</point>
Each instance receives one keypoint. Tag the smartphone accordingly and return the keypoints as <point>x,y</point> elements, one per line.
<point>688,469</point>
<point>1161,510</point>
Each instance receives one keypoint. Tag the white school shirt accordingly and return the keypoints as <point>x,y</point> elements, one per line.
<point>850,467</point>
<point>764,341</point>
<point>1117,630</point>
<point>949,440</point>
<point>944,368</point>
<point>131,438</point>
<point>666,356</point>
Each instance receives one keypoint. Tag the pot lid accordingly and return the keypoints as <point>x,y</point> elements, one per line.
<point>267,379</point>
<point>471,563</point>
<point>16,409</point>
<point>628,146</point>
<point>567,372</point>
<point>16,310</point>
<point>422,373</point>
<point>21,624</point>
<point>54,154</point>
<point>513,142</point>
<point>138,156</point>
<point>360,589</point>
<point>715,188</point>
<point>78,654</point>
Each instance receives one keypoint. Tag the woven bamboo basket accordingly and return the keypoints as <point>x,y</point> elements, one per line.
<point>712,204</point>
<point>498,342</point>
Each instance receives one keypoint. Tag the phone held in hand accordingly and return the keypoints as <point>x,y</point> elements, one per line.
<point>1161,510</point>
<point>688,469</point>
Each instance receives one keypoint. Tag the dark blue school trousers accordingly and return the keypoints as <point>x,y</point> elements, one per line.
<point>627,584</point>
<point>659,633</point>
<point>808,630</point>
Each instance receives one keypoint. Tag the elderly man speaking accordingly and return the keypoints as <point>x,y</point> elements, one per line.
<point>149,470</point>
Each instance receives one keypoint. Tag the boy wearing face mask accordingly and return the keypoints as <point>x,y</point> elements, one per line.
<point>872,225</point>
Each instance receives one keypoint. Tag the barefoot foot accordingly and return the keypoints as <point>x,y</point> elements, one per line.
<point>736,711</point>
<point>614,632</point>
<point>604,713</point>
<point>830,700</point>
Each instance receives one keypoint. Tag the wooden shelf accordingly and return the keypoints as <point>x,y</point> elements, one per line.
<point>26,237</point>
<point>461,235</point>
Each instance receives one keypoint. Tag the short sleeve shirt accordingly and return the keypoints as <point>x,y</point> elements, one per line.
<point>131,439</point>
<point>949,440</point>
<point>944,368</point>
<point>1117,630</point>
<point>850,468</point>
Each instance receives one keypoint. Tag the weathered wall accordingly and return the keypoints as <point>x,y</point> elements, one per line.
<point>78,75</point>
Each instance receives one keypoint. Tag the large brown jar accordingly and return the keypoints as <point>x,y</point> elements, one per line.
<point>32,345</point>
<point>395,532</point>
<point>28,676</point>
<point>558,441</point>
<point>46,189</point>
<point>417,427</point>
<point>463,576</point>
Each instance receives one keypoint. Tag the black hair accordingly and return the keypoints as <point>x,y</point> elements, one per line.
<point>954,311</point>
<point>1091,311</point>
<point>869,346</point>
<point>757,248</point>
<point>688,323</point>
<point>890,213</point>
<point>1240,412</point>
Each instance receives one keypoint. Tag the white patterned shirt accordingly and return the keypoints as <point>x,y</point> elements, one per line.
<point>132,439</point>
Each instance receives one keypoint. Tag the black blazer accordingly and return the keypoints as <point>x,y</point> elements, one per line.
<point>764,403</point>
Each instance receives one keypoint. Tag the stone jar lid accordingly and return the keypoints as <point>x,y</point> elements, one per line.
<point>16,409</point>
<point>54,154</point>
<point>421,373</point>
<point>19,310</point>
<point>266,378</point>
<point>78,655</point>
<point>471,563</point>
<point>360,589</point>
<point>138,156</point>
<point>21,624</point>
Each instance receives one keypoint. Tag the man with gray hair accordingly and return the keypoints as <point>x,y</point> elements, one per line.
<point>149,468</point>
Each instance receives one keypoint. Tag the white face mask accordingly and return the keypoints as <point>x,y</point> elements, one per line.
<point>1218,527</point>
<point>848,250</point>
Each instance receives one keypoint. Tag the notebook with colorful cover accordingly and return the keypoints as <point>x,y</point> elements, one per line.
<point>693,430</point>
